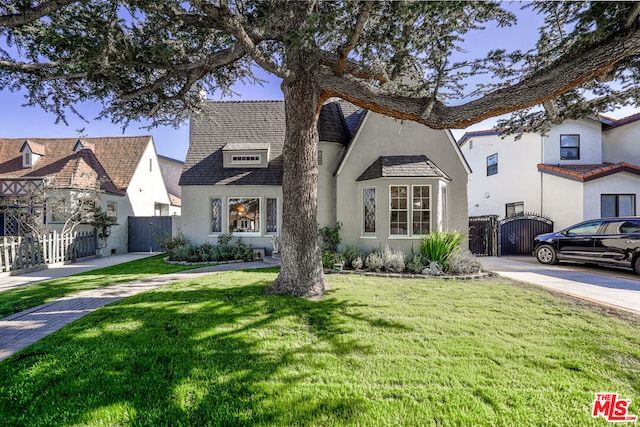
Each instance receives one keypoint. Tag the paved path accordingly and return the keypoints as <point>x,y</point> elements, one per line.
<point>615,291</point>
<point>62,270</point>
<point>22,329</point>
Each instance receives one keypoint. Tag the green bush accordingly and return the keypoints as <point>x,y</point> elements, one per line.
<point>439,246</point>
<point>415,265</point>
<point>329,237</point>
<point>168,243</point>
<point>208,252</point>
<point>374,261</point>
<point>327,259</point>
<point>350,254</point>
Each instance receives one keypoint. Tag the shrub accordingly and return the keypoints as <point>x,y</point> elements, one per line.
<point>393,260</point>
<point>327,259</point>
<point>168,243</point>
<point>350,253</point>
<point>440,245</point>
<point>357,263</point>
<point>374,261</point>
<point>462,261</point>
<point>329,237</point>
<point>415,265</point>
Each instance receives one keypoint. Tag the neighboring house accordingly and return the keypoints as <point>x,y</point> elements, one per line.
<point>171,170</point>
<point>386,181</point>
<point>126,167</point>
<point>581,169</point>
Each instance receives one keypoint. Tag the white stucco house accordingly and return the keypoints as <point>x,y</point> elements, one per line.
<point>127,169</point>
<point>579,170</point>
<point>386,181</point>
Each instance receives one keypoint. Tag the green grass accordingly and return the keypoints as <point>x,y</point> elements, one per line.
<point>374,352</point>
<point>25,297</point>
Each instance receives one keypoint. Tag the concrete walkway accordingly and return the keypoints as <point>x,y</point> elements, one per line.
<point>623,293</point>
<point>22,329</point>
<point>62,270</point>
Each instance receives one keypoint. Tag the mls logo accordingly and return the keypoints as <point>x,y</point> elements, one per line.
<point>611,408</point>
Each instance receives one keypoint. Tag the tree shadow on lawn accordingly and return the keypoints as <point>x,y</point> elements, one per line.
<point>223,355</point>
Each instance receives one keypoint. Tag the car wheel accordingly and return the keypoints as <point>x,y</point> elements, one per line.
<point>636,265</point>
<point>545,254</point>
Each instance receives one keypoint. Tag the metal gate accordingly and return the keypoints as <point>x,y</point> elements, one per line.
<point>517,232</point>
<point>145,230</point>
<point>483,235</point>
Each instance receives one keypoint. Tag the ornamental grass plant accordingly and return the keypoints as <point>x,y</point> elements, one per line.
<point>440,245</point>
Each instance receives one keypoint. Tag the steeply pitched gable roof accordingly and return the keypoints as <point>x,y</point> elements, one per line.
<point>402,166</point>
<point>247,124</point>
<point>584,173</point>
<point>112,159</point>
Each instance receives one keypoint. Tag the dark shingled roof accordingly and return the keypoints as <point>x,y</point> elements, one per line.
<point>247,124</point>
<point>402,166</point>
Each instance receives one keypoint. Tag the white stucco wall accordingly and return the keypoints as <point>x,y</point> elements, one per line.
<point>517,180</point>
<point>590,142</point>
<point>146,187</point>
<point>385,136</point>
<point>196,211</point>
<point>331,154</point>
<point>619,183</point>
<point>118,240</point>
<point>621,144</point>
<point>563,200</point>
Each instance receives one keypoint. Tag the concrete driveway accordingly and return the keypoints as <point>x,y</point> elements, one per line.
<point>619,289</point>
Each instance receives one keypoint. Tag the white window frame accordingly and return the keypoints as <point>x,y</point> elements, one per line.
<point>114,212</point>
<point>222,220</point>
<point>278,222</point>
<point>245,159</point>
<point>371,235</point>
<point>259,222</point>
<point>410,234</point>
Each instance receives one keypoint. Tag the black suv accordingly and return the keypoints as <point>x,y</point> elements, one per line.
<point>612,241</point>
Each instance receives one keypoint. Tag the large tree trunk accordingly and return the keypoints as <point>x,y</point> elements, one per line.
<point>301,272</point>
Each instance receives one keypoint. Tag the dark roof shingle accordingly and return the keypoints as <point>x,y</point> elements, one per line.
<point>248,125</point>
<point>402,166</point>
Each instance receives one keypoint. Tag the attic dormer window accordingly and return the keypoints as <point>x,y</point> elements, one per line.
<point>246,155</point>
<point>27,159</point>
<point>31,152</point>
<point>246,159</point>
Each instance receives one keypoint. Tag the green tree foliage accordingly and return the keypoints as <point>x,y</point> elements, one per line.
<point>151,59</point>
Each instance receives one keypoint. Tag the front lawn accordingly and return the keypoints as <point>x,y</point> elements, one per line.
<point>25,297</point>
<point>374,352</point>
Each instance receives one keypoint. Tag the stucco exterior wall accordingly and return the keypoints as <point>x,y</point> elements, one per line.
<point>331,154</point>
<point>563,200</point>
<point>196,211</point>
<point>517,180</point>
<point>385,136</point>
<point>590,132</point>
<point>621,144</point>
<point>620,183</point>
<point>147,186</point>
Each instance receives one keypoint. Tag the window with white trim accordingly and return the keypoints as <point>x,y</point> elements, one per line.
<point>421,209</point>
<point>112,209</point>
<point>244,215</point>
<point>216,216</point>
<point>245,159</point>
<point>399,210</point>
<point>410,212</point>
<point>272,215</point>
<point>369,210</point>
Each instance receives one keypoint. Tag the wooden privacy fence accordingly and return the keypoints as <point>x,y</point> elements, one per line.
<point>17,252</point>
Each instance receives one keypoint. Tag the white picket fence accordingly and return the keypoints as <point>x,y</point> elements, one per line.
<point>17,252</point>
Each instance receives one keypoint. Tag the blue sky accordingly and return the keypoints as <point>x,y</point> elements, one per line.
<point>17,121</point>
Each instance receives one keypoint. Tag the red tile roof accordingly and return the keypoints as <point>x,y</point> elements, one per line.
<point>585,173</point>
<point>113,159</point>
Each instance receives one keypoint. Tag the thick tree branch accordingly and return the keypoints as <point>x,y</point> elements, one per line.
<point>361,23</point>
<point>563,75</point>
<point>33,13</point>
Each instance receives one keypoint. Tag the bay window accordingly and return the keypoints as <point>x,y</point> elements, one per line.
<point>405,206</point>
